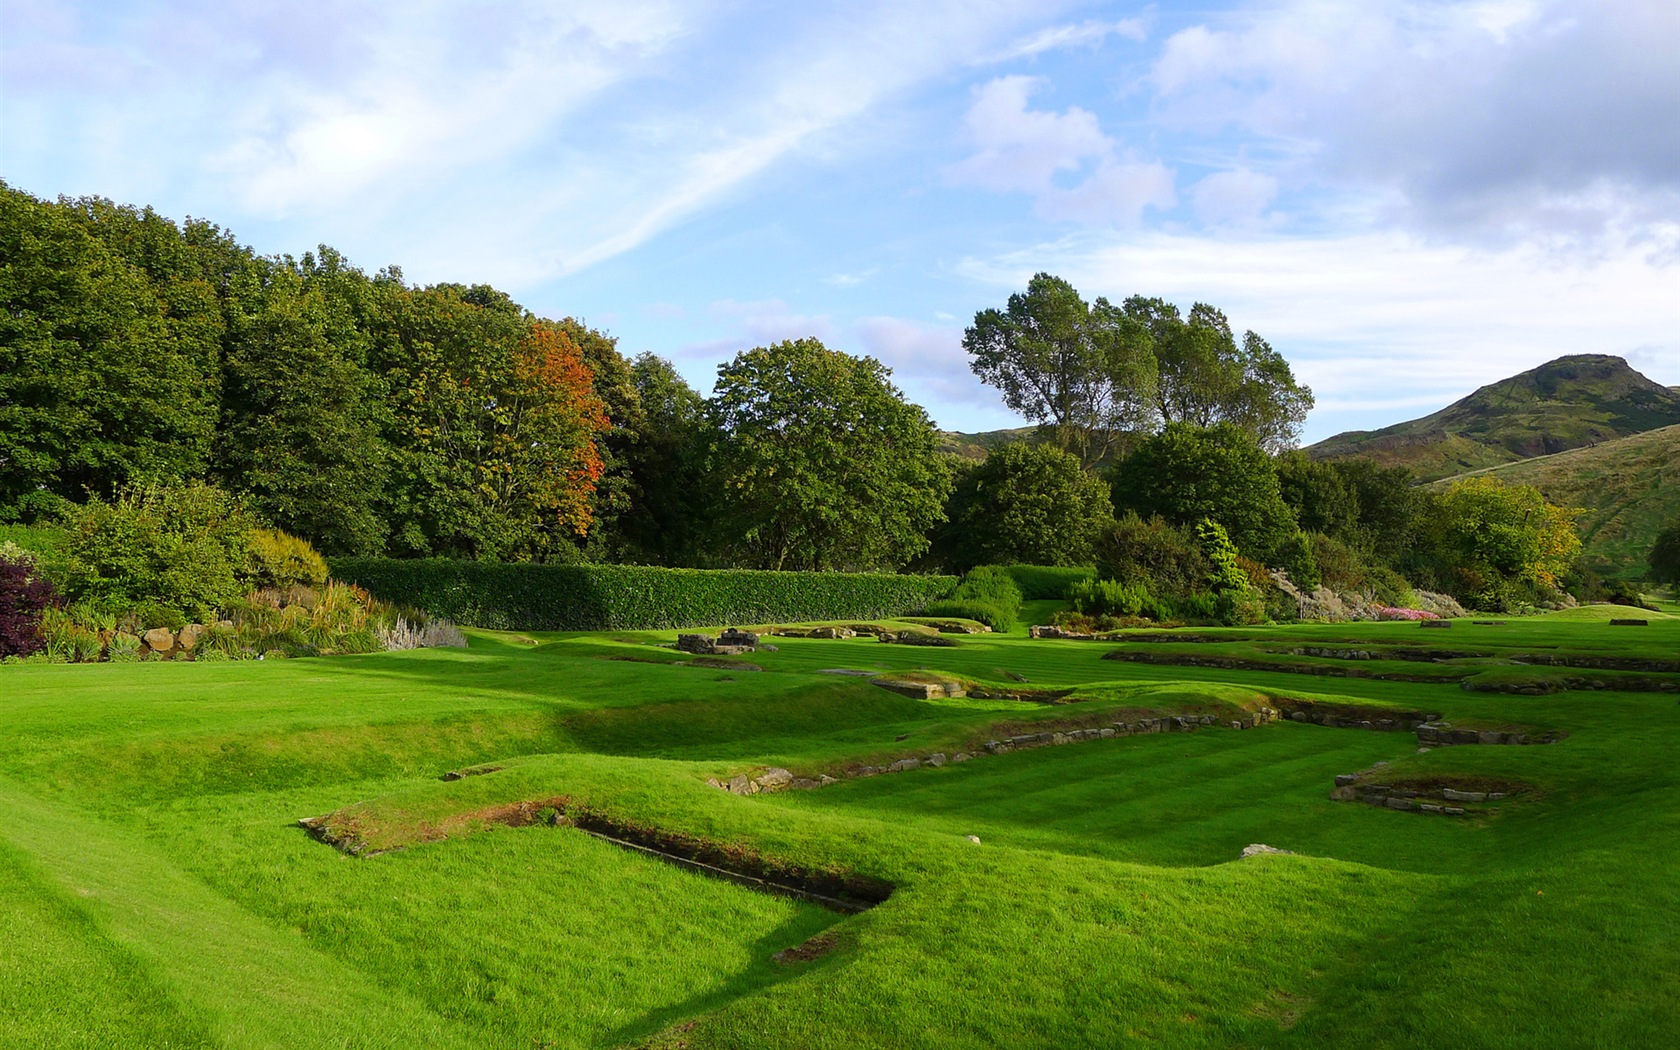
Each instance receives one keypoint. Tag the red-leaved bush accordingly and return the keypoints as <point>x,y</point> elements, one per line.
<point>24,596</point>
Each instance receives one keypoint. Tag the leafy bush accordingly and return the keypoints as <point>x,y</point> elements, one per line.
<point>529,597</point>
<point>1226,576</point>
<point>1112,598</point>
<point>983,612</point>
<point>24,598</point>
<point>182,547</point>
<point>1041,582</point>
<point>148,615</point>
<point>1165,558</point>
<point>991,596</point>
<point>1295,556</point>
<point>279,559</point>
<point>123,648</point>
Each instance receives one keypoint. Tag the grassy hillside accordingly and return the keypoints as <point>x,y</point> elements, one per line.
<point>1629,490</point>
<point>975,446</point>
<point>156,891</point>
<point>1568,403</point>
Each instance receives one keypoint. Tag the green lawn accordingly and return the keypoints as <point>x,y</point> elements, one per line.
<point>156,891</point>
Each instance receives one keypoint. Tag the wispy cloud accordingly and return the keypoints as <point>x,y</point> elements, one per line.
<point>1089,34</point>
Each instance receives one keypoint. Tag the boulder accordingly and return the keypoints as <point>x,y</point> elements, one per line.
<point>936,760</point>
<point>159,640</point>
<point>189,636</point>
<point>1255,849</point>
<point>702,644</point>
<point>774,778</point>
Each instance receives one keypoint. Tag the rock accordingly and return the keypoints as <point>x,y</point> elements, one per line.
<point>904,765</point>
<point>1452,811</point>
<point>774,778</point>
<point>1495,796</point>
<point>1342,794</point>
<point>825,780</point>
<point>803,784</point>
<point>159,640</point>
<point>767,647</point>
<point>1427,807</point>
<point>961,756</point>
<point>936,760</point>
<point>738,784</point>
<point>974,839</point>
<point>1402,803</point>
<point>1255,849</point>
<point>832,632</point>
<point>733,636</point>
<point>1013,677</point>
<point>701,644</point>
<point>189,636</point>
<point>1344,779</point>
<point>1454,795</point>
<point>1489,736</point>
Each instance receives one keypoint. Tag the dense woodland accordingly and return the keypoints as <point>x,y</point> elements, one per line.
<point>370,416</point>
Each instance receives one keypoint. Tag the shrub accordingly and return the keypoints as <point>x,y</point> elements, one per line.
<point>148,615</point>
<point>1111,598</point>
<point>1042,582</point>
<point>182,547</point>
<point>279,559</point>
<point>1163,557</point>
<point>1226,576</point>
<point>984,612</point>
<point>992,589</point>
<point>1295,556</point>
<point>24,598</point>
<point>123,648</point>
<point>528,597</point>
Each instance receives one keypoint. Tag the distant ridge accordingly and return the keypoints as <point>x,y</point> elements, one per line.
<point>1628,490</point>
<point>1572,402</point>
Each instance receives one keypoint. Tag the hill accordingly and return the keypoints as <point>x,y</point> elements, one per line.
<point>1629,489</point>
<point>975,446</point>
<point>1572,402</point>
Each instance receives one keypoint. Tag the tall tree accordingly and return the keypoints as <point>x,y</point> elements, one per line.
<point>670,498</point>
<point>1665,556</point>
<point>1494,539</point>
<point>493,427</point>
<point>301,412</point>
<point>1207,377</point>
<point>821,463</point>
<point>1084,371</point>
<point>102,382</point>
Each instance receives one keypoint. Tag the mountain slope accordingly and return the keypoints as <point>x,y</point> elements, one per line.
<point>1568,403</point>
<point>1629,489</point>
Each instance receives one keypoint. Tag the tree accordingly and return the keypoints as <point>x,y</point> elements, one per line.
<point>1319,494</point>
<point>669,499</point>
<point>614,500</point>
<point>301,412</point>
<point>820,462</point>
<point>1665,556</point>
<point>493,427</point>
<point>1490,535</point>
<point>1085,371</point>
<point>1028,504</point>
<point>1187,473</point>
<point>1207,378</point>
<point>100,383</point>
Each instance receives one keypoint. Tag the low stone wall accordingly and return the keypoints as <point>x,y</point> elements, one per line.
<point>1444,801</point>
<point>777,779</point>
<point>1435,733</point>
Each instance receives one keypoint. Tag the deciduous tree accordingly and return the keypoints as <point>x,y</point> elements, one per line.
<point>821,463</point>
<point>1026,504</point>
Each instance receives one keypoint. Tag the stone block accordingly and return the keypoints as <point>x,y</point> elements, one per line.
<point>1454,795</point>
<point>936,760</point>
<point>774,778</point>
<point>1402,803</point>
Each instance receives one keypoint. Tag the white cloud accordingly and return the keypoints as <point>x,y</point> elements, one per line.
<point>1495,122</point>
<point>850,280</point>
<point>1024,150</point>
<point>1237,197</point>
<point>928,361</point>
<point>1084,34</point>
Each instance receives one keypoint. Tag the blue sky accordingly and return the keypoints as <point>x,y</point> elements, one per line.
<point>1407,198</point>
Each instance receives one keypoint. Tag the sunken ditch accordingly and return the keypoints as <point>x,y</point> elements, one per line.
<point>841,891</point>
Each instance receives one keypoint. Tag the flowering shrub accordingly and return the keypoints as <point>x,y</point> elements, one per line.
<point>1389,612</point>
<point>24,599</point>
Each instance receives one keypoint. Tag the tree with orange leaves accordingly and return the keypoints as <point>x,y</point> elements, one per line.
<point>494,429</point>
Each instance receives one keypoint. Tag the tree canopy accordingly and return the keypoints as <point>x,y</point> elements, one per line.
<point>1665,556</point>
<point>1084,370</point>
<point>820,462</point>
<point>1026,504</point>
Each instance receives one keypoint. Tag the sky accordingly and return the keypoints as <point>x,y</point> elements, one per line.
<point>1406,198</point>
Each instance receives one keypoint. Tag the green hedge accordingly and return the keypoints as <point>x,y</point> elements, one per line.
<point>1038,582</point>
<point>527,597</point>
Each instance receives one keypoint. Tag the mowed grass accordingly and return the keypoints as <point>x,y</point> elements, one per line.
<point>156,890</point>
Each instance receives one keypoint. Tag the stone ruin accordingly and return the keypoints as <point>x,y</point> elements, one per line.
<point>732,642</point>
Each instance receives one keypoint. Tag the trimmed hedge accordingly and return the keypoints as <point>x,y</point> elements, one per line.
<point>528,597</point>
<point>1038,582</point>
